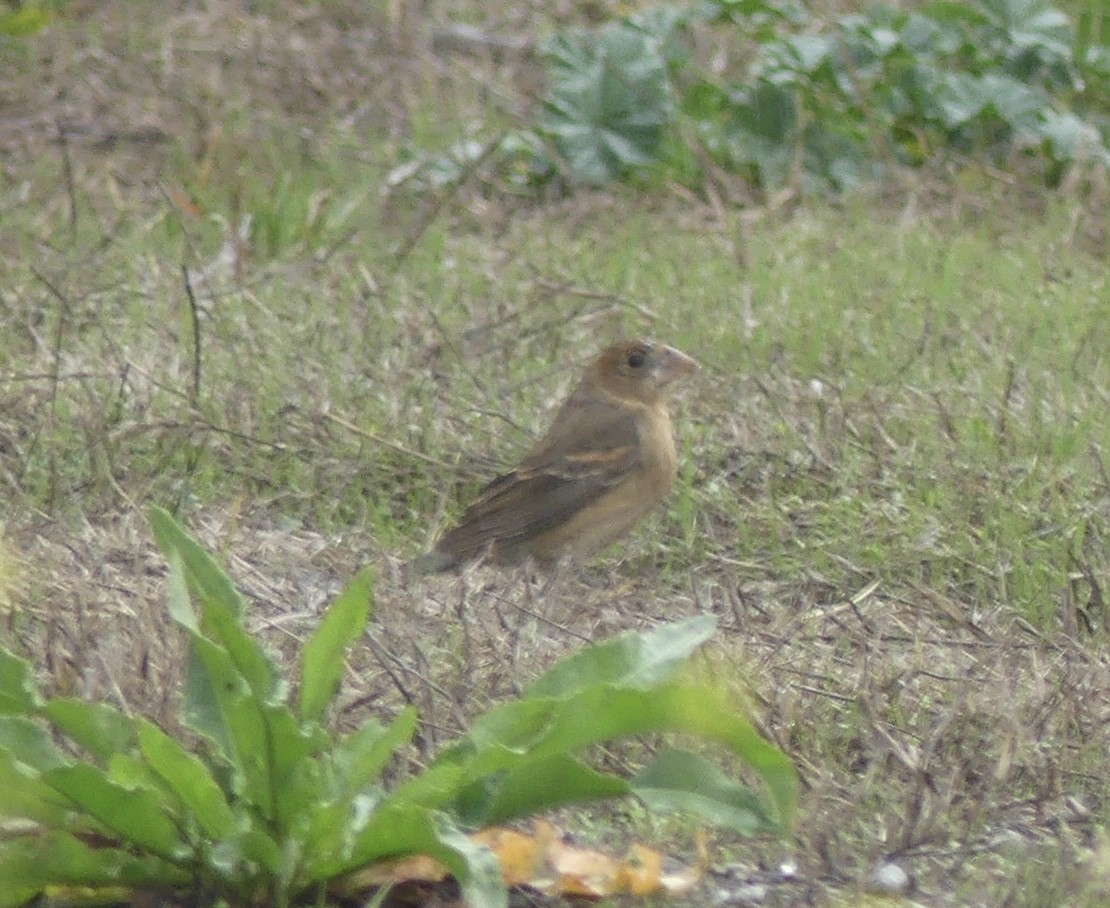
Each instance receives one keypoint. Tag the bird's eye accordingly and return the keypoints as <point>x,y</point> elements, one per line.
<point>636,359</point>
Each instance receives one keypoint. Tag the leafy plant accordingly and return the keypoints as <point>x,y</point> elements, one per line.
<point>995,77</point>
<point>826,107</point>
<point>610,100</point>
<point>269,807</point>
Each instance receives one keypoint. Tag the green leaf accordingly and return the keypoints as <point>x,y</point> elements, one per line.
<point>474,866</point>
<point>221,606</point>
<point>603,713</point>
<point>534,786</point>
<point>322,659</point>
<point>681,781</point>
<point>30,863</point>
<point>262,742</point>
<point>962,98</point>
<point>29,743</point>
<point>202,573</point>
<point>24,795</point>
<point>189,779</point>
<point>361,756</point>
<point>1070,138</point>
<point>610,100</point>
<point>808,53</point>
<point>131,771</point>
<point>611,690</point>
<point>99,728</point>
<point>139,816</point>
<point>18,693</point>
<point>403,829</point>
<point>634,659</point>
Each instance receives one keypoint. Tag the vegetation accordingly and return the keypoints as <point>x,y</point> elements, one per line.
<point>243,280</point>
<point>272,808</point>
<point>820,108</point>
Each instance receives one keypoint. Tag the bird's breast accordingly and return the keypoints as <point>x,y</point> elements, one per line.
<point>623,505</point>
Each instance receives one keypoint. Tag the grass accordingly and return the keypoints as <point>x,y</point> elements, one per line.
<point>907,388</point>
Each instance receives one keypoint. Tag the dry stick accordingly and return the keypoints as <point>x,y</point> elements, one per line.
<point>192,460</point>
<point>55,373</point>
<point>67,174</point>
<point>385,442</point>
<point>194,397</point>
<point>433,211</point>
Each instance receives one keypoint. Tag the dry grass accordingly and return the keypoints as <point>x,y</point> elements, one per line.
<point>394,346</point>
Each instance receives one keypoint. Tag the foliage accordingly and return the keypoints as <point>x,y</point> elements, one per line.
<point>824,107</point>
<point>271,806</point>
<point>24,21</point>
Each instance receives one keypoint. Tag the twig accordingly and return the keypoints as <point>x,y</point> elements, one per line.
<point>55,373</point>
<point>385,442</point>
<point>194,396</point>
<point>67,174</point>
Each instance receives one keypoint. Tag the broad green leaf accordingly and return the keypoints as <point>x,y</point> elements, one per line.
<point>334,826</point>
<point>24,795</point>
<point>138,816</point>
<point>253,847</point>
<point>1016,103</point>
<point>610,99</point>
<point>474,866</point>
<point>404,829</point>
<point>518,725</point>
<point>216,703</point>
<point>634,659</point>
<point>18,693</point>
<point>603,713</point>
<point>807,53</point>
<point>30,863</point>
<point>223,627</point>
<point>262,742</point>
<point>361,756</point>
<point>322,659</point>
<point>188,778</point>
<point>681,781</point>
<point>98,727</point>
<point>441,782</point>
<point>1070,138</point>
<point>221,606</point>
<point>962,98</point>
<point>131,771</point>
<point>178,601</point>
<point>203,574</point>
<point>534,786</point>
<point>28,742</point>
<point>294,749</point>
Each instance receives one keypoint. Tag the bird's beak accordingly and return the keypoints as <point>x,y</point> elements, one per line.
<point>674,364</point>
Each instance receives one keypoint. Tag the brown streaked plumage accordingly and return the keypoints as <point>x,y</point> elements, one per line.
<point>608,458</point>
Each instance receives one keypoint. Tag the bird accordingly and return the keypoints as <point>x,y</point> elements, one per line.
<point>608,459</point>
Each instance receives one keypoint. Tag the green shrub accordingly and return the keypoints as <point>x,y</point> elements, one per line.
<point>270,806</point>
<point>826,107</point>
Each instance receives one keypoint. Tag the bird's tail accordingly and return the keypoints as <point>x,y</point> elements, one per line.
<point>433,562</point>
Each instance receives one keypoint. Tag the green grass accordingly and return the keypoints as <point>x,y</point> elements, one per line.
<point>913,402</point>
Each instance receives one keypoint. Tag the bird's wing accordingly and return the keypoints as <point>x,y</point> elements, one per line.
<point>592,446</point>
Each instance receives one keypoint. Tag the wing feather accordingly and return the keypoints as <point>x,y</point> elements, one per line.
<point>592,446</point>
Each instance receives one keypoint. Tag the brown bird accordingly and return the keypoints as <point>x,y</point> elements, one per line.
<point>608,458</point>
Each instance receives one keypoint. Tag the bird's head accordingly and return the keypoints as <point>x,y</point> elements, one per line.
<point>639,370</point>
